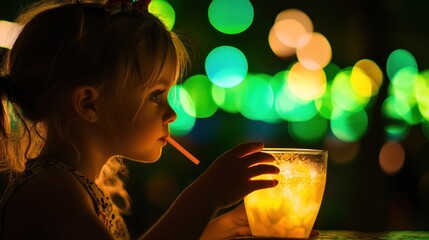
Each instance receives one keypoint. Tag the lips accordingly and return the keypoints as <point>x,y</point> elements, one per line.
<point>164,139</point>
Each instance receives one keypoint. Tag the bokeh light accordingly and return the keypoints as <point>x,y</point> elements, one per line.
<point>231,16</point>
<point>350,126</point>
<point>396,132</point>
<point>226,66</point>
<point>398,108</point>
<point>9,31</point>
<point>199,88</point>
<point>291,108</point>
<point>421,90</point>
<point>306,84</point>
<point>257,98</point>
<point>331,70</point>
<point>309,132</point>
<point>398,60</point>
<point>344,95</point>
<point>341,152</point>
<point>388,108</point>
<point>366,77</point>
<point>391,157</point>
<point>228,99</point>
<point>324,104</point>
<point>292,27</point>
<point>164,11</point>
<point>316,53</point>
<point>181,102</point>
<point>280,49</point>
<point>407,99</point>
<point>405,78</point>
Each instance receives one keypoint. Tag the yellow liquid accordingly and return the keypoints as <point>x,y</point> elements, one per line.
<point>290,209</point>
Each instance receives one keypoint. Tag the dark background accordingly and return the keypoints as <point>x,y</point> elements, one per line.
<point>358,195</point>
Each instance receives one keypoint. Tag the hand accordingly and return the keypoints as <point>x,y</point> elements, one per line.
<point>231,224</point>
<point>228,179</point>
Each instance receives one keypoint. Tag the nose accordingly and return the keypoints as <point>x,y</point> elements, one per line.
<point>170,115</point>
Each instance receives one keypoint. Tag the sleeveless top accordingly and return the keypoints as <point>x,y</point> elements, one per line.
<point>104,207</point>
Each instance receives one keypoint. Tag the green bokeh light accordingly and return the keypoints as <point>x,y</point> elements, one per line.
<point>257,99</point>
<point>164,11</point>
<point>344,95</point>
<point>388,109</point>
<point>309,132</point>
<point>290,108</point>
<point>405,77</point>
<point>422,94</point>
<point>399,59</point>
<point>325,104</point>
<point>396,132</point>
<point>231,16</point>
<point>182,104</point>
<point>398,108</point>
<point>331,70</point>
<point>228,99</point>
<point>350,127</point>
<point>226,66</point>
<point>199,88</point>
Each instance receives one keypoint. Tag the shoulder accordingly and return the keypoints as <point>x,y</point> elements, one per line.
<point>52,204</point>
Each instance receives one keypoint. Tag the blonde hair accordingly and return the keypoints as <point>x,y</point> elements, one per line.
<point>65,45</point>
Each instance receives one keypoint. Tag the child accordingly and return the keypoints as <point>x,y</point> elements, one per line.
<point>84,86</point>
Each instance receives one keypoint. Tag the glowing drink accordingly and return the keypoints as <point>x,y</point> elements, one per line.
<point>290,209</point>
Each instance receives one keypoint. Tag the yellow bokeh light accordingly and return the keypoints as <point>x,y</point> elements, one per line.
<point>316,53</point>
<point>361,82</point>
<point>306,84</point>
<point>366,78</point>
<point>391,157</point>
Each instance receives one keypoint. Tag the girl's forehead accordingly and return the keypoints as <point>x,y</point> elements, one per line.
<point>163,80</point>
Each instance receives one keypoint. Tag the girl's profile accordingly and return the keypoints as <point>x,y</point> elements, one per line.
<point>83,89</point>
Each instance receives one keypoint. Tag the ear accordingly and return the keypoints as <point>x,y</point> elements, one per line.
<point>84,102</point>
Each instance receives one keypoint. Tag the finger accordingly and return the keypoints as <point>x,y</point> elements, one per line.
<point>262,169</point>
<point>258,157</point>
<point>245,149</point>
<point>261,184</point>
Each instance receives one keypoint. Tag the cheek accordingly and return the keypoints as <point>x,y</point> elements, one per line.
<point>142,136</point>
<point>142,145</point>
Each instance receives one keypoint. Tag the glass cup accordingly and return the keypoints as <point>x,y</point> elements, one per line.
<point>289,209</point>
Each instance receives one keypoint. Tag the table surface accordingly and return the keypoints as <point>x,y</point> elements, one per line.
<point>345,235</point>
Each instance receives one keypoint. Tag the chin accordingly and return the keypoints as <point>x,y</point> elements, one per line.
<point>148,157</point>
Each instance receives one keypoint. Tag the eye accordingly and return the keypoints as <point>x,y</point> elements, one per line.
<point>156,96</point>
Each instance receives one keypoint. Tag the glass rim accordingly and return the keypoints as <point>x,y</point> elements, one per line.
<point>291,150</point>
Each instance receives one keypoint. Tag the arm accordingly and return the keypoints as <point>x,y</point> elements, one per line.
<point>224,183</point>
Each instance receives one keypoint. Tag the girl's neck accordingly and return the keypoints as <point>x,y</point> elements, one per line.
<point>87,160</point>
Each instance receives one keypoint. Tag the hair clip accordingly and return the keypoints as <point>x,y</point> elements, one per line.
<point>116,6</point>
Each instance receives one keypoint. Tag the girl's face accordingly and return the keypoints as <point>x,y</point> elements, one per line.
<point>143,138</point>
